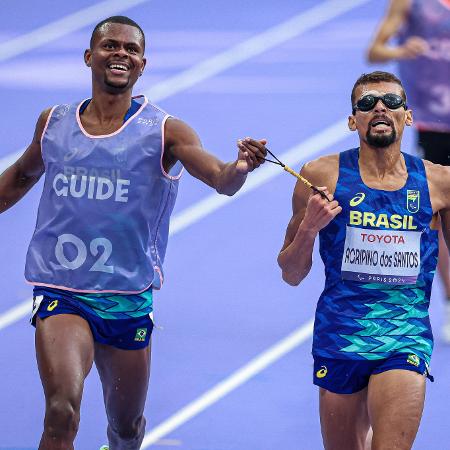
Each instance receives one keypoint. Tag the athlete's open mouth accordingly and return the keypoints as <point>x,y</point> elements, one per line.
<point>380,123</point>
<point>118,68</point>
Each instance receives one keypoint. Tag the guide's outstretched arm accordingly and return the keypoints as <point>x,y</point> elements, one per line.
<point>21,176</point>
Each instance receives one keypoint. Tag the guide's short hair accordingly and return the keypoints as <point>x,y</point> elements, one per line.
<point>376,77</point>
<point>117,19</point>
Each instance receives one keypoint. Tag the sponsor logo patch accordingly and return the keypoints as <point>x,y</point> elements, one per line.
<point>322,372</point>
<point>52,305</point>
<point>357,199</point>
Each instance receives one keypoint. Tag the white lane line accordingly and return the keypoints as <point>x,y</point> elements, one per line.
<point>260,43</point>
<point>14,314</point>
<point>62,27</point>
<point>236,379</point>
<point>9,160</point>
<point>241,52</point>
<point>192,214</point>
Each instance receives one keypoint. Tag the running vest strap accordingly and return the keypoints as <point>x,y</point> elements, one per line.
<point>380,257</point>
<point>103,218</point>
<point>426,78</point>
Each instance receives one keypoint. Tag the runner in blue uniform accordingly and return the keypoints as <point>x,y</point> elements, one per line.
<point>378,240</point>
<point>112,165</point>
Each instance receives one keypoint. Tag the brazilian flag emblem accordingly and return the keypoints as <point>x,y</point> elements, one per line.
<point>413,359</point>
<point>141,334</point>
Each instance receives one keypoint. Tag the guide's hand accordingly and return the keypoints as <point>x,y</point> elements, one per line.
<point>251,153</point>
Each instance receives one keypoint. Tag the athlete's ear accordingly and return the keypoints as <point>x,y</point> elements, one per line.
<point>409,118</point>
<point>87,57</point>
<point>352,123</point>
<point>144,63</point>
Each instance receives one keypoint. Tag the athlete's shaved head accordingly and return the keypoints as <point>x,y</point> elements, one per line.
<point>117,19</point>
<point>376,77</point>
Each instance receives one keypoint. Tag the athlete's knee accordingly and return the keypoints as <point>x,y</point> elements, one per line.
<point>131,431</point>
<point>62,418</point>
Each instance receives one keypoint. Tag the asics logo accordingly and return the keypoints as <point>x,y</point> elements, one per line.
<point>322,372</point>
<point>357,199</point>
<point>52,305</point>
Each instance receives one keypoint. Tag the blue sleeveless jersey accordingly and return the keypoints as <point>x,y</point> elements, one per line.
<point>104,213</point>
<point>380,256</point>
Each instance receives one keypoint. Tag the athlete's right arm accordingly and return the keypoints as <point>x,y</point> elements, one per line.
<point>311,213</point>
<point>439,186</point>
<point>20,177</point>
<point>396,16</point>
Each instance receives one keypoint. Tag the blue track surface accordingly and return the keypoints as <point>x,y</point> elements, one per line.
<point>223,302</point>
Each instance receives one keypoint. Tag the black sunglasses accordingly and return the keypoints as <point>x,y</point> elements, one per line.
<point>368,102</point>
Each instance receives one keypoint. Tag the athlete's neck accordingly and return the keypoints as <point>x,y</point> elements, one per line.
<point>106,108</point>
<point>383,168</point>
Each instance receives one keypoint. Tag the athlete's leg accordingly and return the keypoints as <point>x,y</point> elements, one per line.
<point>65,352</point>
<point>125,376</point>
<point>344,420</point>
<point>395,404</point>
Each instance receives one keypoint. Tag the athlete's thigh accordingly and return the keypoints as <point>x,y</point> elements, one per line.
<point>395,404</point>
<point>64,352</point>
<point>344,420</point>
<point>124,375</point>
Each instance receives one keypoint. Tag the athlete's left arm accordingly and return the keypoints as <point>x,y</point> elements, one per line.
<point>182,143</point>
<point>439,186</point>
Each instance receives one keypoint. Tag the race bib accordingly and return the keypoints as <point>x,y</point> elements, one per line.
<point>381,256</point>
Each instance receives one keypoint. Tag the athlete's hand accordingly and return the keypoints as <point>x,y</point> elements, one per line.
<point>413,47</point>
<point>250,154</point>
<point>319,211</point>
